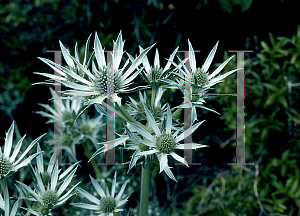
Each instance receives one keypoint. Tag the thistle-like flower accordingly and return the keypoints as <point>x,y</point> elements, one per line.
<point>137,108</point>
<point>74,132</point>
<point>69,110</point>
<point>108,203</point>
<point>105,80</point>
<point>199,78</point>
<point>4,204</point>
<point>46,175</point>
<point>73,67</point>
<point>9,164</point>
<point>51,195</point>
<point>153,75</point>
<point>164,142</point>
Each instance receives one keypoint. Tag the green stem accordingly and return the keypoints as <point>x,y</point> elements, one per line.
<point>153,96</point>
<point>176,112</point>
<point>89,154</point>
<point>115,111</point>
<point>144,199</point>
<point>3,182</point>
<point>129,117</point>
<point>28,214</point>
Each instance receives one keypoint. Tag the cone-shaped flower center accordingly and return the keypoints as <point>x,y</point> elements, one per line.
<point>108,204</point>
<point>101,83</point>
<point>49,198</point>
<point>44,211</point>
<point>46,178</point>
<point>5,166</point>
<point>195,98</point>
<point>157,73</point>
<point>201,76</point>
<point>107,82</point>
<point>165,143</point>
<point>67,116</point>
<point>85,129</point>
<point>67,140</point>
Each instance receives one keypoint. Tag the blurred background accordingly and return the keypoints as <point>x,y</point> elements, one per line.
<point>269,28</point>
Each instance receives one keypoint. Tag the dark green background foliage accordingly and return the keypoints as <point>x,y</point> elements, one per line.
<point>272,115</point>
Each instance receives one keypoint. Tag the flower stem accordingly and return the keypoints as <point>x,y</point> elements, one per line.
<point>89,154</point>
<point>144,199</point>
<point>115,111</point>
<point>153,96</point>
<point>129,117</point>
<point>176,112</point>
<point>3,182</point>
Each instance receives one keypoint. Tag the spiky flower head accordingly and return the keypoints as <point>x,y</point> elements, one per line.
<point>52,195</point>
<point>46,178</point>
<point>102,80</point>
<point>108,203</point>
<point>46,175</point>
<point>9,164</point>
<point>155,74</point>
<point>49,198</point>
<point>107,81</point>
<point>76,127</point>
<point>163,141</point>
<point>201,76</point>
<point>201,79</point>
<point>66,112</point>
<point>136,108</point>
<point>5,166</point>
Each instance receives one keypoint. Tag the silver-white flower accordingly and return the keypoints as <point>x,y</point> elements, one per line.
<point>137,108</point>
<point>199,78</point>
<point>50,196</point>
<point>108,203</point>
<point>68,107</point>
<point>105,80</point>
<point>74,132</point>
<point>9,163</point>
<point>46,175</point>
<point>164,142</point>
<point>154,74</point>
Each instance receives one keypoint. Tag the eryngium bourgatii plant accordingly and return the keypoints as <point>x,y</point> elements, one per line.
<point>161,134</point>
